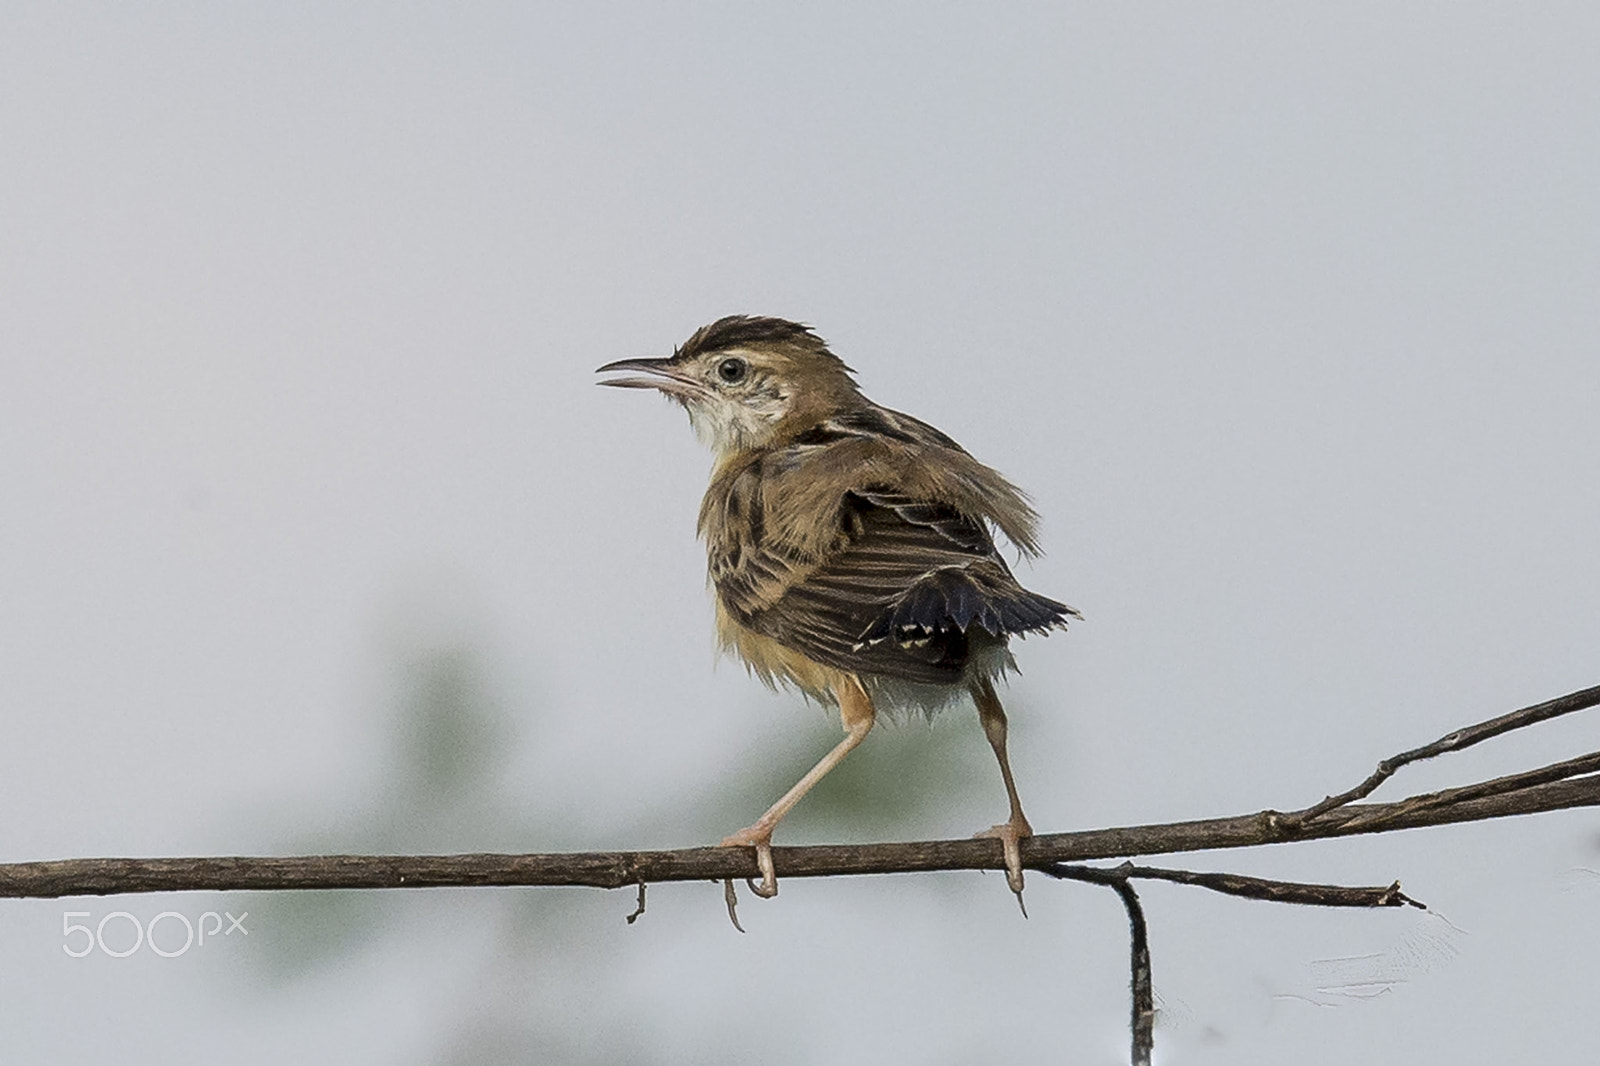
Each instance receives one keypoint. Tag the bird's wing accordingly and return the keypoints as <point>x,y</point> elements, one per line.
<point>907,595</point>
<point>880,580</point>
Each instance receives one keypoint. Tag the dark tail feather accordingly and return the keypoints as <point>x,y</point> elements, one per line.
<point>958,597</point>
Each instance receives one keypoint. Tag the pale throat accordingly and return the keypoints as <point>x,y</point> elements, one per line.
<point>729,425</point>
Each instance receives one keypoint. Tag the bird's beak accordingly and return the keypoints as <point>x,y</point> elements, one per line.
<point>664,375</point>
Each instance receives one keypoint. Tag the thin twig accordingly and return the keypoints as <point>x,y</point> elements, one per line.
<point>1240,885</point>
<point>1511,783</point>
<point>1117,878</point>
<point>1140,984</point>
<point>1453,741</point>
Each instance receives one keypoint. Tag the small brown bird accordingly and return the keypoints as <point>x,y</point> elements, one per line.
<point>851,547</point>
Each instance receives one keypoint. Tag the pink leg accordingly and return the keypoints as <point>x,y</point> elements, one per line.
<point>1011,832</point>
<point>856,713</point>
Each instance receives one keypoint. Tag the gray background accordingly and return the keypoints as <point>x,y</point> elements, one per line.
<point>317,535</point>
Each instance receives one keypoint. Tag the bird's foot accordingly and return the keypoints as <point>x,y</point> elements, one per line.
<point>1011,834</point>
<point>760,838</point>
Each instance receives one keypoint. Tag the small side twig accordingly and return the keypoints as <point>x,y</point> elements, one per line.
<point>1140,984</point>
<point>1259,888</point>
<point>1511,783</point>
<point>1457,740</point>
<point>1142,989</point>
<point>638,911</point>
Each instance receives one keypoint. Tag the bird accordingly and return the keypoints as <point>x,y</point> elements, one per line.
<point>852,548</point>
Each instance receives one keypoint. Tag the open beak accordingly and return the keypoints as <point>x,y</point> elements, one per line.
<point>663,375</point>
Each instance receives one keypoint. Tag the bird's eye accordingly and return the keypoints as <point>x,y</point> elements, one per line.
<point>732,371</point>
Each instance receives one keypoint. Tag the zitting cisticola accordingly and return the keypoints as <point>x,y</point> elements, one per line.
<point>851,547</point>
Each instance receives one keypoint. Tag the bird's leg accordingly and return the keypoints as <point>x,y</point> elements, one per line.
<point>1012,831</point>
<point>856,713</point>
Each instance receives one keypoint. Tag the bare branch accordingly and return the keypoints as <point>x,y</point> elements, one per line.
<point>1550,788</point>
<point>99,877</point>
<point>1562,785</point>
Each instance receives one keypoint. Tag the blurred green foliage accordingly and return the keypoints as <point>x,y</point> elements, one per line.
<point>451,733</point>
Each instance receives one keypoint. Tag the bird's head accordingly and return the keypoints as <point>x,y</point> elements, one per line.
<point>748,382</point>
